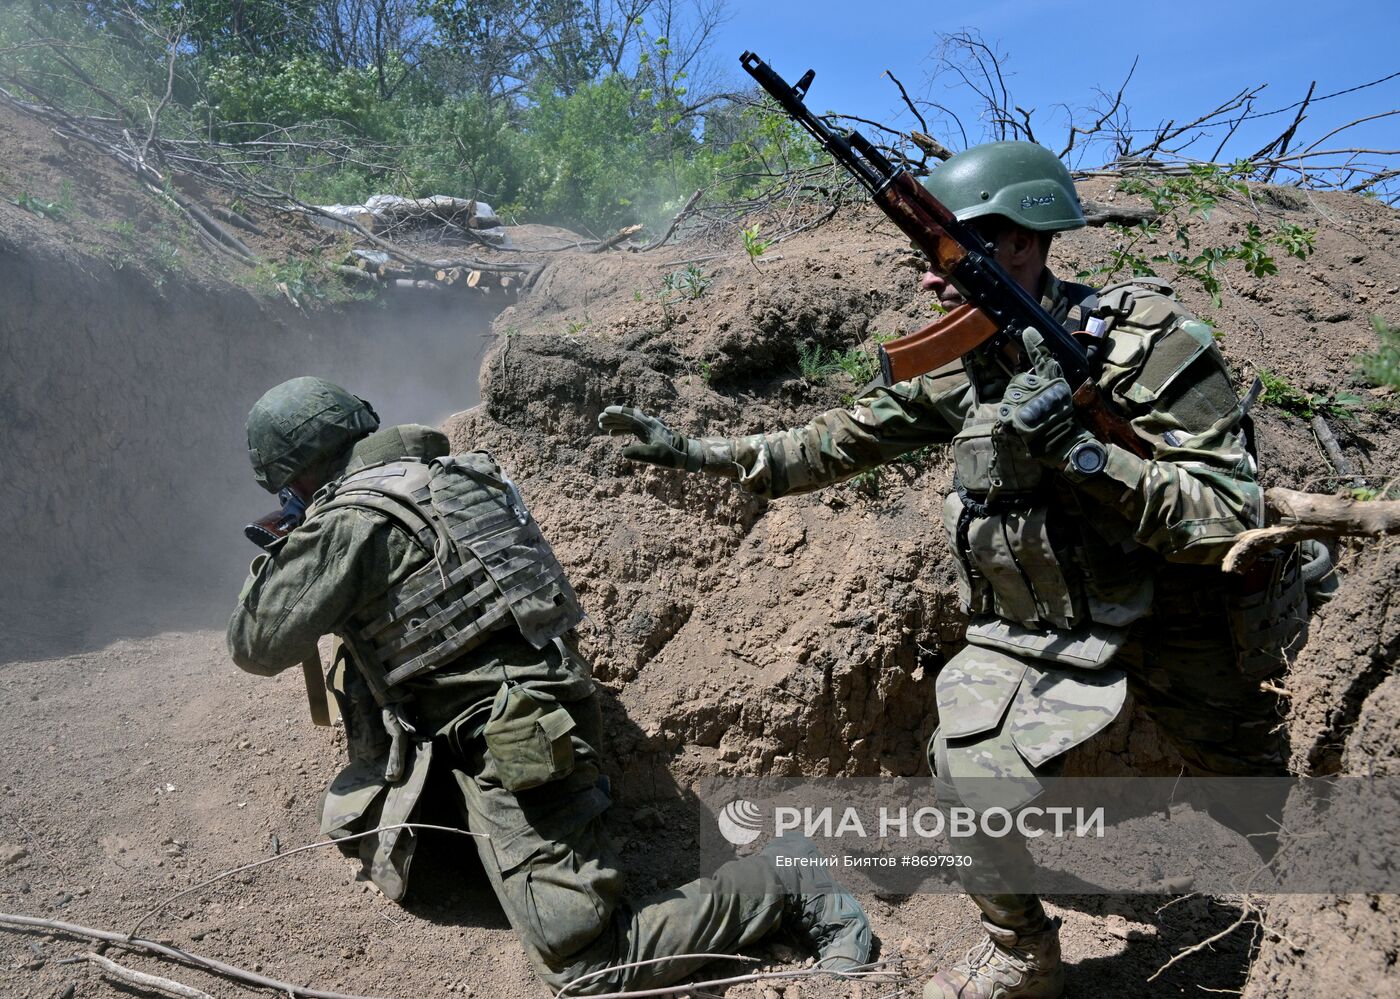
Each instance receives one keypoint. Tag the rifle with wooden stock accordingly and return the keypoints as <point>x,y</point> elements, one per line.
<point>996,309</point>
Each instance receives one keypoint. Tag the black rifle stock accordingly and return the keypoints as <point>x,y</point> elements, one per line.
<point>997,308</point>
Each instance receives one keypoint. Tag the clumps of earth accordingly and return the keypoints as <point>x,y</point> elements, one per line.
<point>730,636</point>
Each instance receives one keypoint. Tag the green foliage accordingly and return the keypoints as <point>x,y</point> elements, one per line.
<point>288,91</point>
<point>55,210</point>
<point>546,110</point>
<point>815,363</point>
<point>860,364</point>
<point>754,244</point>
<point>1285,396</point>
<point>1381,367</point>
<point>1295,240</point>
<point>304,281</point>
<point>689,283</point>
<point>1180,200</point>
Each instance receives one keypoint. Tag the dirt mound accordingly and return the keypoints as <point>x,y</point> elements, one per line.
<point>1345,698</point>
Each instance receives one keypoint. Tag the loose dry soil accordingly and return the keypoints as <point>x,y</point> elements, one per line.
<point>729,635</point>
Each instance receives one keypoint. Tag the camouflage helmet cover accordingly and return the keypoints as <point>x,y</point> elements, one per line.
<point>1023,181</point>
<point>301,422</point>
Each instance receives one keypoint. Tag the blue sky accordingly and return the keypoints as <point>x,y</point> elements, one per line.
<point>1193,55</point>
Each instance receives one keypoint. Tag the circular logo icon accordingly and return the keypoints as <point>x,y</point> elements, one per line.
<point>740,822</point>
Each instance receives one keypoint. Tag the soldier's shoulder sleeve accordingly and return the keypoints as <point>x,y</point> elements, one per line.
<point>1161,359</point>
<point>879,426</point>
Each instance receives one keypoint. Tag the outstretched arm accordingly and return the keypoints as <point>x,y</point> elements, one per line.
<point>838,444</point>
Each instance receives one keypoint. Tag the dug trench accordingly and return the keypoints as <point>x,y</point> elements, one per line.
<point>729,634</point>
<point>127,479</point>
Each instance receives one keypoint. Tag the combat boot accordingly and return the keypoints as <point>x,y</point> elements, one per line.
<point>1007,965</point>
<point>821,910</point>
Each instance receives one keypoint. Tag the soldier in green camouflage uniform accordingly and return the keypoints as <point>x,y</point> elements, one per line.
<point>1085,571</point>
<point>458,655</point>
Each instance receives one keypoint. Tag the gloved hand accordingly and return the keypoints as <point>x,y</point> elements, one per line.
<point>1038,407</point>
<point>657,444</point>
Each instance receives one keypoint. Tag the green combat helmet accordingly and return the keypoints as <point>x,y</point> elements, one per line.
<point>302,422</point>
<point>1022,181</point>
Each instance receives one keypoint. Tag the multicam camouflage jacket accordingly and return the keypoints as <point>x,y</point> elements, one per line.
<point>1035,550</point>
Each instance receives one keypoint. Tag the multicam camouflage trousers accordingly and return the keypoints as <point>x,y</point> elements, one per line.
<point>559,882</point>
<point>1185,670</point>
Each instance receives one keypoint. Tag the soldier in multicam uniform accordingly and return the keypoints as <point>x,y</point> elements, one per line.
<point>458,655</point>
<point>1085,570</point>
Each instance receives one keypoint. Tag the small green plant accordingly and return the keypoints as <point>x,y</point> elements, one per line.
<point>1282,394</point>
<point>1381,367</point>
<point>754,244</point>
<point>868,482</point>
<point>689,283</point>
<point>707,371</point>
<point>576,327</point>
<point>53,210</point>
<point>301,280</point>
<point>816,363</point>
<point>860,364</point>
<point>1295,240</point>
<point>637,295</point>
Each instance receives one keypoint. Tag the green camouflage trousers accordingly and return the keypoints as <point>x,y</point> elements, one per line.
<point>1183,668</point>
<point>559,882</point>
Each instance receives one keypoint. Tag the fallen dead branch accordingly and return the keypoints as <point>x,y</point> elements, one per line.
<point>1097,213</point>
<point>1297,516</point>
<point>675,221</point>
<point>174,953</point>
<point>145,981</point>
<point>616,238</point>
<point>1328,442</point>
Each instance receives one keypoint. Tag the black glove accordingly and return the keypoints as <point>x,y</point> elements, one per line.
<point>657,443</point>
<point>1038,406</point>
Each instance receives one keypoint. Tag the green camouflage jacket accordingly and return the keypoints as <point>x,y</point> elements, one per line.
<point>340,564</point>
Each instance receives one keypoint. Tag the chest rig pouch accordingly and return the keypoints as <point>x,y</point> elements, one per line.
<point>490,567</point>
<point>998,521</point>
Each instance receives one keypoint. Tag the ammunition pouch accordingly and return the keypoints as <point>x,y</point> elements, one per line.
<point>529,738</point>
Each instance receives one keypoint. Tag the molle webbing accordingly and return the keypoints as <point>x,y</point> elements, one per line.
<point>491,569</point>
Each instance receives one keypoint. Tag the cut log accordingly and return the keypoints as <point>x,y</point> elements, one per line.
<point>355,274</point>
<point>474,279</point>
<point>416,283</point>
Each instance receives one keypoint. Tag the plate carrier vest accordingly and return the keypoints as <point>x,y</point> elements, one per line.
<point>491,568</point>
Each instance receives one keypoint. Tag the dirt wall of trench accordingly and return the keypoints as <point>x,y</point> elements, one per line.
<point>126,480</point>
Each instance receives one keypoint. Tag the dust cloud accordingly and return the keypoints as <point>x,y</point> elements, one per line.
<point>126,481</point>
